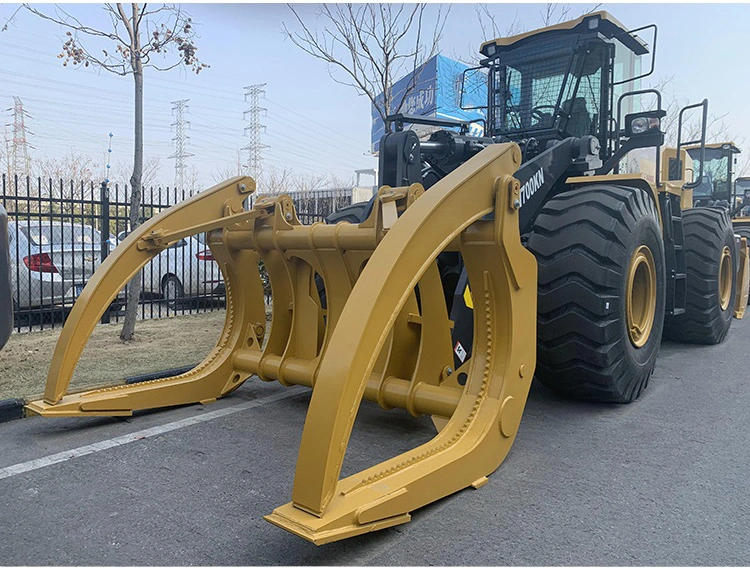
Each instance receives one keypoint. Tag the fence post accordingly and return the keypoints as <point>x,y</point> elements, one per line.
<point>104,230</point>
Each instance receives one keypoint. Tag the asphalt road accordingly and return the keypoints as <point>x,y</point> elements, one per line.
<point>662,481</point>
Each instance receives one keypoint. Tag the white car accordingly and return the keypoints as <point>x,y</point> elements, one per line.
<point>50,262</point>
<point>186,269</point>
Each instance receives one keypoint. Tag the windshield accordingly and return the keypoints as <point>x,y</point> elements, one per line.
<point>715,182</point>
<point>742,188</point>
<point>61,234</point>
<point>556,85</point>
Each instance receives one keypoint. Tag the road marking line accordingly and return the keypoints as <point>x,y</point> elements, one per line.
<point>39,463</point>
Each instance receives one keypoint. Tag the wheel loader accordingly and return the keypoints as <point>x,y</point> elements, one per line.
<point>718,190</point>
<point>481,263</point>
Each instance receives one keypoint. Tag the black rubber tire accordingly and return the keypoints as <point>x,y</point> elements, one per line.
<point>584,241</point>
<point>743,232</point>
<point>179,290</point>
<point>707,231</point>
<point>354,213</point>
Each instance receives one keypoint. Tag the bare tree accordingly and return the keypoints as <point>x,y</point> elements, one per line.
<point>149,177</point>
<point>554,13</point>
<point>717,129</point>
<point>139,37</point>
<point>73,165</point>
<point>192,180</point>
<point>235,168</point>
<point>5,152</point>
<point>276,181</point>
<point>490,27</point>
<point>370,46</point>
<point>490,23</point>
<point>338,182</point>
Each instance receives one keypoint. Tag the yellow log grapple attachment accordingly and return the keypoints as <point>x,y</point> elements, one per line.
<point>384,334</point>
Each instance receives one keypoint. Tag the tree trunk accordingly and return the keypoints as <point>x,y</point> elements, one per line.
<point>134,288</point>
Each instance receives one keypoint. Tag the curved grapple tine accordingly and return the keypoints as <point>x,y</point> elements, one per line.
<point>502,275</point>
<point>215,208</point>
<point>382,334</point>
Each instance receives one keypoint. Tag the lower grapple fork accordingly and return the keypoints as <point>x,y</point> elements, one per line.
<point>212,210</point>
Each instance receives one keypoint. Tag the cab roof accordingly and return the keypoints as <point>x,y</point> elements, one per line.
<point>717,146</point>
<point>601,21</point>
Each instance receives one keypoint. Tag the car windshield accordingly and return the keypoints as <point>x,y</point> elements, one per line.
<point>61,234</point>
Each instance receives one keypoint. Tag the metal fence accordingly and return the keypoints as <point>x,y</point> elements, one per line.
<point>61,231</point>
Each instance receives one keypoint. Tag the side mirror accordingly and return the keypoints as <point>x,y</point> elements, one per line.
<point>473,89</point>
<point>639,123</point>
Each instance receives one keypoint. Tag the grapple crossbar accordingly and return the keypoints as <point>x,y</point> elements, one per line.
<point>382,333</point>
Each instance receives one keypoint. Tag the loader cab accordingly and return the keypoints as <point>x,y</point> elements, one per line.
<point>742,195</point>
<point>716,186</point>
<point>565,80</point>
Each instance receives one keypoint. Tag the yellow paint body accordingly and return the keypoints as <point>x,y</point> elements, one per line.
<point>373,341</point>
<point>743,280</point>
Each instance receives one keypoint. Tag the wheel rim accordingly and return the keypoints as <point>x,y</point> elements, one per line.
<point>641,296</point>
<point>725,278</point>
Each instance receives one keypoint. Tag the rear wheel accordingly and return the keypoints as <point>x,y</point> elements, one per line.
<point>601,292</point>
<point>711,260</point>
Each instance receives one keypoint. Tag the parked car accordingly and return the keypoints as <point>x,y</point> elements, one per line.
<point>184,270</point>
<point>6,297</point>
<point>50,262</point>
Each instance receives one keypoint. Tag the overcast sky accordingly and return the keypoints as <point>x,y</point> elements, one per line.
<point>314,125</point>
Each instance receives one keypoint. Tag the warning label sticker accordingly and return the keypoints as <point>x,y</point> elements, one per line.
<point>460,351</point>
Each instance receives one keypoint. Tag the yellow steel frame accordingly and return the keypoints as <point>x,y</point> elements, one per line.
<point>373,340</point>
<point>743,280</point>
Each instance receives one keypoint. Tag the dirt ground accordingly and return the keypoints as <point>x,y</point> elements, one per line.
<point>161,344</point>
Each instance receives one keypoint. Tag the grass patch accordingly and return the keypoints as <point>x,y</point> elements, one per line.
<point>160,344</point>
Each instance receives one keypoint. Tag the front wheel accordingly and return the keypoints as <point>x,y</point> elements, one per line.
<point>601,292</point>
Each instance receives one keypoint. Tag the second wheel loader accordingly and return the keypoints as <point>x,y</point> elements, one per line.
<point>481,263</point>
<point>719,192</point>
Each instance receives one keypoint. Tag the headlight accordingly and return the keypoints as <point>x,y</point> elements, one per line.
<point>643,124</point>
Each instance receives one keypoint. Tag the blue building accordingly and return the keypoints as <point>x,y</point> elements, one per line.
<point>436,91</point>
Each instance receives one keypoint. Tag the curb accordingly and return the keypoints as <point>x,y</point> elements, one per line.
<point>12,408</point>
